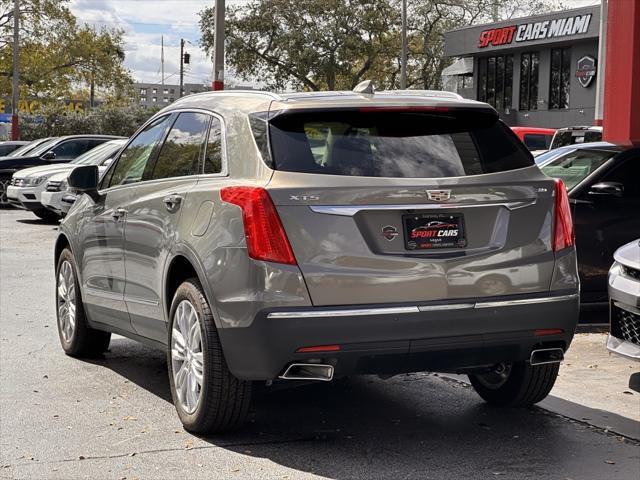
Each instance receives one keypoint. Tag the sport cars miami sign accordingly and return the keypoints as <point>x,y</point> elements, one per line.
<point>561,27</point>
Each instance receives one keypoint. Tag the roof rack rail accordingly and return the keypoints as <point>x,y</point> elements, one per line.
<point>424,93</point>
<point>273,96</point>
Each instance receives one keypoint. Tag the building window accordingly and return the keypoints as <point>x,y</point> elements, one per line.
<point>143,99</point>
<point>154,99</point>
<point>154,91</point>
<point>143,91</point>
<point>171,99</point>
<point>560,78</point>
<point>165,91</point>
<point>495,81</point>
<point>172,91</point>
<point>529,67</point>
<point>165,100</point>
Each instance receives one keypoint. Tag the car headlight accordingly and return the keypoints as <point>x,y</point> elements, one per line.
<point>34,181</point>
<point>64,185</point>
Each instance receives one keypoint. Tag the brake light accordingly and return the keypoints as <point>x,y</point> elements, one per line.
<point>319,348</point>
<point>407,108</point>
<point>563,233</point>
<point>266,238</point>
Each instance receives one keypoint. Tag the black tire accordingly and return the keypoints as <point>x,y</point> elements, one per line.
<point>524,385</point>
<point>47,215</point>
<point>84,340</point>
<point>224,400</point>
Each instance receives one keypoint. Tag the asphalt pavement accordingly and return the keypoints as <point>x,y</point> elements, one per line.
<point>112,418</point>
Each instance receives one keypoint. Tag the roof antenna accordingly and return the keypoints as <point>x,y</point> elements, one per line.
<point>365,87</point>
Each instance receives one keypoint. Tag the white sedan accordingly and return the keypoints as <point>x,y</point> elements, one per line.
<point>29,185</point>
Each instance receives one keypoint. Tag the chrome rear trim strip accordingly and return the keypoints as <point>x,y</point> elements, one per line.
<point>526,301</point>
<point>452,306</point>
<point>364,312</point>
<point>351,210</point>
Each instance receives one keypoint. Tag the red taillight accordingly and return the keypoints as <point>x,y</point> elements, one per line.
<point>541,332</point>
<point>319,348</point>
<point>563,233</point>
<point>266,238</point>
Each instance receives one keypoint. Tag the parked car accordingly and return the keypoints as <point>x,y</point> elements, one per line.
<point>257,237</point>
<point>572,135</point>
<point>28,147</point>
<point>624,301</point>
<point>20,152</point>
<point>60,150</point>
<point>9,146</point>
<point>537,140</point>
<point>604,191</point>
<point>57,197</point>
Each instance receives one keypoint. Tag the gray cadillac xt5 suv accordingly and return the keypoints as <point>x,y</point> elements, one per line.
<point>258,237</point>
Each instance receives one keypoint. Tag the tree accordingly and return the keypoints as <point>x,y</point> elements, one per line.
<point>311,44</point>
<point>107,120</point>
<point>332,44</point>
<point>430,19</point>
<point>58,58</point>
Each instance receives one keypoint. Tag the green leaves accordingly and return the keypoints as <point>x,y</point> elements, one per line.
<point>59,58</point>
<point>335,44</point>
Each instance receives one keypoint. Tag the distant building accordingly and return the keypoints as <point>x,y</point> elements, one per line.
<point>149,95</point>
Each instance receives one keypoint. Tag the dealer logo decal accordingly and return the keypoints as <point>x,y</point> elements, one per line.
<point>389,232</point>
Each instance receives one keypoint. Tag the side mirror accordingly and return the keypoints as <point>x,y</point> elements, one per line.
<point>50,155</point>
<point>611,189</point>
<point>84,179</point>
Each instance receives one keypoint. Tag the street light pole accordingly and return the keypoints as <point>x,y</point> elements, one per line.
<point>403,61</point>
<point>218,47</point>
<point>15,128</point>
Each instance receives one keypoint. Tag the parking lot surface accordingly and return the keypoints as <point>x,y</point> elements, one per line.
<point>112,417</point>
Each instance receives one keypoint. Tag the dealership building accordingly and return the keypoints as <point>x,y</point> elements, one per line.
<point>536,71</point>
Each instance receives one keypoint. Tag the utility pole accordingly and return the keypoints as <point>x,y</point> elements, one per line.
<point>15,127</point>
<point>92,87</point>
<point>403,61</point>
<point>162,60</point>
<point>181,65</point>
<point>218,47</point>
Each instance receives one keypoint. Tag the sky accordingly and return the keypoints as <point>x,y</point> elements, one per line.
<point>146,21</point>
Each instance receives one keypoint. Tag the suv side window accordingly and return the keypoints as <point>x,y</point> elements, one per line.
<point>181,152</point>
<point>628,174</point>
<point>134,158</point>
<point>71,149</point>
<point>213,154</point>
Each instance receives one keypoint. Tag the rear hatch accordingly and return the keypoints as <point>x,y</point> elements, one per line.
<point>419,204</point>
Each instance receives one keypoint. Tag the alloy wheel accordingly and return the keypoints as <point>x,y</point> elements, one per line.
<point>66,301</point>
<point>186,356</point>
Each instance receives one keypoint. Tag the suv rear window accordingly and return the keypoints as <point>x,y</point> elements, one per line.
<point>401,144</point>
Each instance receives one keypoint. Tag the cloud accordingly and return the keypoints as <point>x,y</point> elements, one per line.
<point>143,23</point>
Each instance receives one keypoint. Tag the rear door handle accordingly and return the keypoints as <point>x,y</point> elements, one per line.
<point>172,202</point>
<point>118,213</point>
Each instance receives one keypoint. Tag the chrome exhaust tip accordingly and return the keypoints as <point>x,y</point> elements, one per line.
<point>546,355</point>
<point>308,371</point>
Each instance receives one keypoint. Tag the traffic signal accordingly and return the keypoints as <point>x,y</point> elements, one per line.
<point>187,57</point>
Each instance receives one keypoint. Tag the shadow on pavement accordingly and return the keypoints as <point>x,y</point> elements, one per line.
<point>411,426</point>
<point>37,221</point>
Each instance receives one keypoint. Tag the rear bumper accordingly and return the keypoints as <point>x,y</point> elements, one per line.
<point>443,336</point>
